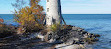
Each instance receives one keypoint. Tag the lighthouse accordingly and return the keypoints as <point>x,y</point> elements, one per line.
<point>53,12</point>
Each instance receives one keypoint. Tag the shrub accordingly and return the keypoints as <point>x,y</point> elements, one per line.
<point>31,17</point>
<point>6,28</point>
<point>56,27</point>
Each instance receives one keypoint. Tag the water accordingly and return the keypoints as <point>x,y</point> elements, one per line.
<point>93,23</point>
<point>8,19</point>
<point>98,24</point>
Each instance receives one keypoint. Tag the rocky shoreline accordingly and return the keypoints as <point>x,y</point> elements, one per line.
<point>70,38</point>
<point>74,38</point>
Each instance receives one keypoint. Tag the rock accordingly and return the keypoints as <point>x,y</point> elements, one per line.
<point>85,36</point>
<point>82,46</point>
<point>97,35</point>
<point>79,29</point>
<point>51,40</point>
<point>84,32</point>
<point>74,28</point>
<point>72,40</point>
<point>75,38</point>
<point>67,46</point>
<point>109,41</point>
<point>41,37</point>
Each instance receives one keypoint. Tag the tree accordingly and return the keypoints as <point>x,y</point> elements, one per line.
<point>31,16</point>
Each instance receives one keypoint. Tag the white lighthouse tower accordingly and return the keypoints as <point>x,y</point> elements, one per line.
<point>53,12</point>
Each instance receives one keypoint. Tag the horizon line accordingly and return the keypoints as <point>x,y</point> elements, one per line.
<point>71,13</point>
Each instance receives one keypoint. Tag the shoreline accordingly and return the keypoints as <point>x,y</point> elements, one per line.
<point>75,37</point>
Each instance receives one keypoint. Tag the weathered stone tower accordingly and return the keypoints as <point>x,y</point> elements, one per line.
<point>53,12</point>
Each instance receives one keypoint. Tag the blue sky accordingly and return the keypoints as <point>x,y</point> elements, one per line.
<point>69,6</point>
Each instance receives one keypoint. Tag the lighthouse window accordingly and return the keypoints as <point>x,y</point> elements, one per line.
<point>47,0</point>
<point>47,9</point>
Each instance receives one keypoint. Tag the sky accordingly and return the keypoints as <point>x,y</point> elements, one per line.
<point>68,6</point>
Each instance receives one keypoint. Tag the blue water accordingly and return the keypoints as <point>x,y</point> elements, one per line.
<point>93,23</point>
<point>8,19</point>
<point>98,24</point>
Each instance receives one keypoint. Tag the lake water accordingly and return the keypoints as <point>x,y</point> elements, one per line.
<point>93,23</point>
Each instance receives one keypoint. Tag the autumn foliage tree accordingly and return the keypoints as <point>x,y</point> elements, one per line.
<point>31,16</point>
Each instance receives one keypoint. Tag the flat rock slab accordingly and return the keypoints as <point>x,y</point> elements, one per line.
<point>67,46</point>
